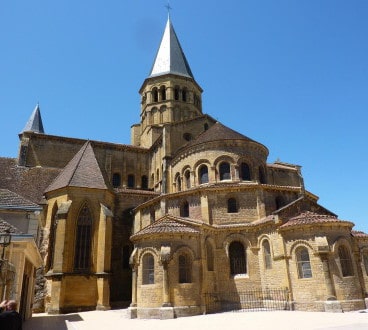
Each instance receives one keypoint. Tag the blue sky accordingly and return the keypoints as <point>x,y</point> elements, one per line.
<point>292,75</point>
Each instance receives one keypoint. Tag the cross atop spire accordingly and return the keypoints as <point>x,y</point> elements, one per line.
<point>168,7</point>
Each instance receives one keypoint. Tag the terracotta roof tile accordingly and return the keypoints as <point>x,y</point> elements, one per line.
<point>168,225</point>
<point>218,132</point>
<point>11,200</point>
<point>360,234</point>
<point>309,218</point>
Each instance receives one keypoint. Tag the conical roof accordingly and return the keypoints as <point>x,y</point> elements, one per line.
<point>34,123</point>
<point>82,171</point>
<point>170,57</point>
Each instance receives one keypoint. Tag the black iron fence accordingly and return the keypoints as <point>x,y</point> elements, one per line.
<point>250,300</point>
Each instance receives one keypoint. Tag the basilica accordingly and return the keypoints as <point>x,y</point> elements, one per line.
<point>190,218</point>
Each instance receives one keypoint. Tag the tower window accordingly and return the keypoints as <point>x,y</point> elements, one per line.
<point>184,95</point>
<point>116,180</point>
<point>163,93</point>
<point>187,136</point>
<point>176,94</point>
<point>238,262</point>
<point>155,95</point>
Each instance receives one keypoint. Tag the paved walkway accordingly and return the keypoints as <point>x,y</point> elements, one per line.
<point>117,319</point>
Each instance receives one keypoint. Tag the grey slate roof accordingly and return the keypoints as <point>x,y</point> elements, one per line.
<point>28,182</point>
<point>6,226</point>
<point>82,171</point>
<point>34,123</point>
<point>170,57</point>
<point>11,200</point>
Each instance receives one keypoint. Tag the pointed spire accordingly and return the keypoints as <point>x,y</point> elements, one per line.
<point>170,57</point>
<point>34,123</point>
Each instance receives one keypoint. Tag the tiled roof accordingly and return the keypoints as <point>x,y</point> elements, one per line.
<point>28,182</point>
<point>11,200</point>
<point>360,234</point>
<point>310,218</point>
<point>82,171</point>
<point>168,225</point>
<point>5,226</point>
<point>219,132</point>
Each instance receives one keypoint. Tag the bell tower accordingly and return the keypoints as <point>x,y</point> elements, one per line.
<point>170,94</point>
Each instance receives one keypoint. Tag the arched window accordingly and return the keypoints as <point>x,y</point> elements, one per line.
<point>345,261</point>
<point>303,263</point>
<point>82,257</point>
<point>155,95</point>
<point>232,206</point>
<point>144,182</point>
<point>116,180</point>
<point>184,209</point>
<point>176,94</point>
<point>244,172</point>
<point>163,93</point>
<point>152,179</point>
<point>157,175</point>
<point>224,171</point>
<point>131,181</point>
<point>205,126</point>
<point>185,269</point>
<point>262,176</point>
<point>178,182</point>
<point>238,262</point>
<point>184,94</point>
<point>267,254</point>
<point>203,174</point>
<point>148,272</point>
<point>187,179</point>
<point>126,256</point>
<point>210,257</point>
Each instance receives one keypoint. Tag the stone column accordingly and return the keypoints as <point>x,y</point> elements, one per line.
<point>132,310</point>
<point>166,311</point>
<point>166,294</point>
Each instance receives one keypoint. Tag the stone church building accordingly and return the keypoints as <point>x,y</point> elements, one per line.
<point>185,219</point>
